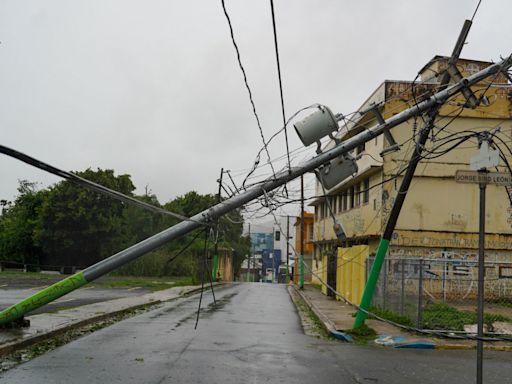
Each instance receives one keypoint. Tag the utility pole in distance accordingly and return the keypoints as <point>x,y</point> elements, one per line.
<point>216,245</point>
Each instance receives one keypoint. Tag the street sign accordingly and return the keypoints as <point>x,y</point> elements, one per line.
<point>475,177</point>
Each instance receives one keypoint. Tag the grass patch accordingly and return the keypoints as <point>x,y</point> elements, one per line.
<point>363,334</point>
<point>153,283</point>
<point>443,316</point>
<point>30,275</point>
<point>391,316</point>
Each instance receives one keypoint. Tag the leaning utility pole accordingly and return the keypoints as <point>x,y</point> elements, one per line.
<point>287,249</point>
<point>301,276</point>
<point>216,245</point>
<point>208,216</point>
<point>406,182</point>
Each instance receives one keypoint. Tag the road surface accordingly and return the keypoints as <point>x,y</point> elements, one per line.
<point>253,335</point>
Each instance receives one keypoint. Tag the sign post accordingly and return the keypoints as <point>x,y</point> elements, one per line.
<point>481,282</point>
<point>479,175</point>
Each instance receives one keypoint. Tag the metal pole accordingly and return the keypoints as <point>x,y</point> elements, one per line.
<point>301,278</point>
<point>216,245</point>
<point>273,269</point>
<point>481,286</point>
<point>404,187</point>
<point>419,318</point>
<point>287,249</point>
<point>402,292</point>
<point>208,216</point>
<point>445,267</point>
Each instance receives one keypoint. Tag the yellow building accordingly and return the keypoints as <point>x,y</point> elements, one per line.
<point>439,215</point>
<point>308,249</point>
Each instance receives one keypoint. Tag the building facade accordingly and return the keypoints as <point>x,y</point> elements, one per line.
<point>439,216</point>
<point>308,249</point>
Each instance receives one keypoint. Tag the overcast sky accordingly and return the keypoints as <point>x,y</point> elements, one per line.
<point>153,88</point>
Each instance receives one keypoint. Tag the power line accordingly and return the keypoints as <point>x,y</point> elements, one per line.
<point>90,184</point>
<point>246,82</point>
<point>280,81</point>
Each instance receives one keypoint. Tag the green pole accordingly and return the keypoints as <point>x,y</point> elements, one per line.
<point>371,283</point>
<point>42,297</point>
<point>406,183</point>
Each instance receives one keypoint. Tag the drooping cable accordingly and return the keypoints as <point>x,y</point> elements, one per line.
<point>183,249</point>
<point>280,82</point>
<point>246,82</point>
<point>90,184</point>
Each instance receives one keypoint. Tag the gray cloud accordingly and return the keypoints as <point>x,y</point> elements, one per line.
<point>153,89</point>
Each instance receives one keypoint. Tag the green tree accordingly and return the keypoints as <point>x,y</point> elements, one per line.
<point>80,227</point>
<point>18,224</point>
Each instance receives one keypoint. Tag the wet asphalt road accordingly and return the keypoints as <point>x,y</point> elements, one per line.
<point>252,336</point>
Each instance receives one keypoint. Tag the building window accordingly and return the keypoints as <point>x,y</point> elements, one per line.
<point>278,236</point>
<point>366,191</point>
<point>340,203</point>
<point>334,203</point>
<point>351,198</point>
<point>345,201</point>
<point>357,193</point>
<point>310,232</point>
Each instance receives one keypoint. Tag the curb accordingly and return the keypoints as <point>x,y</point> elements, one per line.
<point>402,343</point>
<point>328,324</point>
<point>13,346</point>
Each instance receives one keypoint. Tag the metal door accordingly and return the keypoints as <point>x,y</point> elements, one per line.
<point>331,272</point>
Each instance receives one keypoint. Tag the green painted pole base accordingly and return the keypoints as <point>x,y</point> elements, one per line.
<point>42,297</point>
<point>369,288</point>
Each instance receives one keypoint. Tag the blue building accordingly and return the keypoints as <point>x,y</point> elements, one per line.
<point>268,262</point>
<point>261,241</point>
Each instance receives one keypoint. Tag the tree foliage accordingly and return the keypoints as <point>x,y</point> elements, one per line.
<point>82,225</point>
<point>18,224</point>
<point>66,225</point>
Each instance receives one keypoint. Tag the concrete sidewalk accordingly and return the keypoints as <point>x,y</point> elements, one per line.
<point>46,325</point>
<point>337,317</point>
